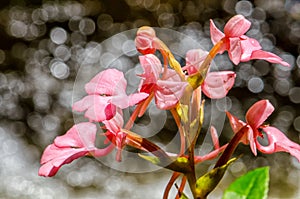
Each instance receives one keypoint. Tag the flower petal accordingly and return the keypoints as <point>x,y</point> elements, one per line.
<point>194,59</point>
<point>258,113</point>
<point>98,107</point>
<point>270,57</point>
<point>169,91</point>
<point>107,82</point>
<point>54,157</point>
<point>215,34</point>
<point>235,50</point>
<point>152,68</point>
<point>236,26</point>
<point>248,46</point>
<point>278,142</point>
<point>217,84</point>
<point>81,135</point>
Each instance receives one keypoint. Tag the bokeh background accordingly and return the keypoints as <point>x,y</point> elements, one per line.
<point>43,44</point>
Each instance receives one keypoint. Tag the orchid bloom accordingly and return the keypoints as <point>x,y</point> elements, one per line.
<point>106,91</point>
<point>216,84</point>
<point>255,116</point>
<point>77,142</point>
<point>167,91</point>
<point>240,47</point>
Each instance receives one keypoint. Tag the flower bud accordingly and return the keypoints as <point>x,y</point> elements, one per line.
<point>144,40</point>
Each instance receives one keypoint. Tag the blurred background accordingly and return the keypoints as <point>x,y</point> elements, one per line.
<point>43,45</point>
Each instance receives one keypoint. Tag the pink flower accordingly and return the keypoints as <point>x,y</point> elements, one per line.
<point>240,47</point>
<point>216,84</point>
<point>77,142</point>
<point>167,90</point>
<point>107,91</point>
<point>255,116</point>
<point>145,40</point>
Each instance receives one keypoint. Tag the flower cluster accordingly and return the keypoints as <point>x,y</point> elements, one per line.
<point>179,90</point>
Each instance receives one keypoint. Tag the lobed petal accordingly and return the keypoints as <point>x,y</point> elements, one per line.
<point>258,113</point>
<point>278,142</point>
<point>237,26</point>
<point>217,84</point>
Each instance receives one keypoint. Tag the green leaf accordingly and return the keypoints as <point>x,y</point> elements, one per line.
<point>208,182</point>
<point>252,185</point>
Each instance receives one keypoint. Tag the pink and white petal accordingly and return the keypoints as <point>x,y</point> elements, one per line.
<point>217,84</point>
<point>81,135</point>
<point>98,108</point>
<point>237,26</point>
<point>215,34</point>
<point>248,46</point>
<point>123,101</point>
<point>270,57</point>
<point>194,59</point>
<point>168,93</point>
<point>235,50</point>
<point>106,83</point>
<point>152,68</point>
<point>115,124</point>
<point>258,113</point>
<point>278,142</point>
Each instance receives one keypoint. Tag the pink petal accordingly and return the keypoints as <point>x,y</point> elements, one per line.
<point>54,157</point>
<point>81,135</point>
<point>258,113</point>
<point>115,124</point>
<point>215,34</point>
<point>278,142</point>
<point>168,93</point>
<point>98,107</point>
<point>124,101</point>
<point>236,26</point>
<point>248,46</point>
<point>152,68</point>
<point>235,123</point>
<point>270,57</point>
<point>217,84</point>
<point>214,137</point>
<point>194,59</point>
<point>235,50</point>
<point>107,82</point>
<point>144,40</point>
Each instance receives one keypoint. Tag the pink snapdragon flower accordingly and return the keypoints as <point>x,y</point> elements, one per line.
<point>254,128</point>
<point>240,47</point>
<point>216,84</point>
<point>77,142</point>
<point>106,91</point>
<point>167,90</point>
